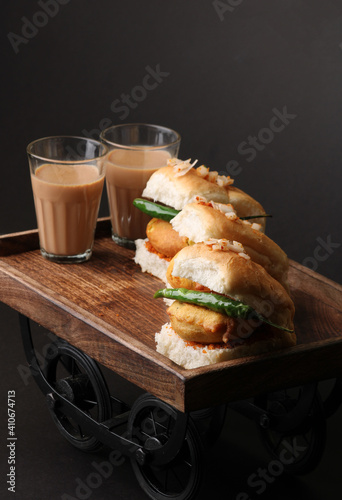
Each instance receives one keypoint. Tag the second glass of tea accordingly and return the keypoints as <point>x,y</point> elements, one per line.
<point>136,150</point>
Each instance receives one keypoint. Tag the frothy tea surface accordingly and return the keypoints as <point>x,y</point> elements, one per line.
<point>67,174</point>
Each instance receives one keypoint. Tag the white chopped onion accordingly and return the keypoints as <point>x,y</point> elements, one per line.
<point>239,245</point>
<point>244,255</point>
<point>202,171</point>
<point>212,176</point>
<point>224,181</point>
<point>181,167</point>
<point>231,215</point>
<point>198,199</point>
<point>256,226</point>
<point>222,207</point>
<point>226,245</point>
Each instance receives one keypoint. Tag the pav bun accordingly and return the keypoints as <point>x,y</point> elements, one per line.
<point>200,222</point>
<point>176,191</point>
<point>193,355</point>
<point>244,204</point>
<point>164,186</point>
<point>150,261</point>
<point>232,274</point>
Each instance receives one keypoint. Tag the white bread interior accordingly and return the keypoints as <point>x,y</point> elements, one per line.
<point>227,273</point>
<point>190,356</point>
<point>200,222</point>
<point>150,262</point>
<point>164,187</point>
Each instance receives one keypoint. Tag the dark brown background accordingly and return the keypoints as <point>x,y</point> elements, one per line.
<point>222,79</point>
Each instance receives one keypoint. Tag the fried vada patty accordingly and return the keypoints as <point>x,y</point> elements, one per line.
<point>164,238</point>
<point>199,324</point>
<point>227,273</point>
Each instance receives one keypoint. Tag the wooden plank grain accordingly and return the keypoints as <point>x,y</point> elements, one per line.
<point>108,285</point>
<point>314,285</point>
<point>18,243</point>
<point>106,308</point>
<point>95,337</point>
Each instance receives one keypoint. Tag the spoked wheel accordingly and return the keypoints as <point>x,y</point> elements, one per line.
<point>78,378</point>
<point>298,440</point>
<point>209,423</point>
<point>173,469</point>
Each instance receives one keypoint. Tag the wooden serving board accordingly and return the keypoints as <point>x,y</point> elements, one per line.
<point>106,308</point>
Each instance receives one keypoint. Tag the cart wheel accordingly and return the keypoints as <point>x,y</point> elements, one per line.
<point>299,448</point>
<point>78,378</point>
<point>209,423</point>
<point>175,474</point>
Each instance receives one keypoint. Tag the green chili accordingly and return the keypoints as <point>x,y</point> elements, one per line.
<point>215,302</point>
<point>255,216</point>
<point>155,210</point>
<point>167,213</point>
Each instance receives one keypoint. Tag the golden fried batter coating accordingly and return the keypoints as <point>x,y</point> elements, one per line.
<point>196,323</point>
<point>199,324</point>
<point>164,238</point>
<point>227,273</point>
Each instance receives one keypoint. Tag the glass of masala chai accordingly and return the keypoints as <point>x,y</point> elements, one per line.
<point>67,176</point>
<point>136,150</point>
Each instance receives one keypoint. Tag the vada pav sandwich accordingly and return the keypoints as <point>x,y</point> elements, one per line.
<point>225,306</point>
<point>202,220</point>
<point>175,186</point>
